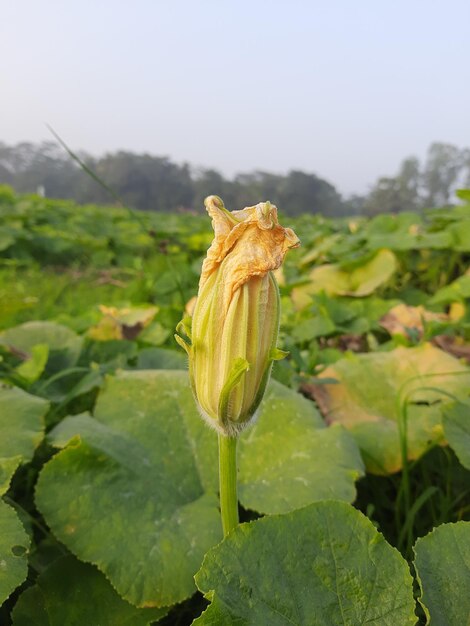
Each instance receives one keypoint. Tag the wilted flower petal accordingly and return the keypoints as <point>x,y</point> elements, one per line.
<point>232,340</point>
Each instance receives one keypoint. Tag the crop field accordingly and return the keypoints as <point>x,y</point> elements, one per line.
<point>353,484</point>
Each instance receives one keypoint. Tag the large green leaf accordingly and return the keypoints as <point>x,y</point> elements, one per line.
<point>14,546</point>
<point>361,280</point>
<point>289,459</point>
<point>64,344</point>
<point>457,430</point>
<point>71,593</point>
<point>322,565</point>
<point>411,240</point>
<point>442,562</point>
<point>315,326</point>
<point>31,369</point>
<point>148,462</point>
<point>377,390</point>
<point>132,481</point>
<point>161,358</point>
<point>457,291</point>
<point>461,234</point>
<point>21,425</point>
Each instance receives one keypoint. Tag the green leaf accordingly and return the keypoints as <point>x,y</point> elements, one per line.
<point>322,565</point>
<point>238,368</point>
<point>155,334</point>
<point>14,546</point>
<point>457,291</point>
<point>289,459</point>
<point>373,392</point>
<point>461,234</point>
<point>408,241</point>
<point>442,562</point>
<point>147,462</point>
<point>361,280</point>
<point>318,326</point>
<point>133,468</point>
<point>115,352</point>
<point>161,358</point>
<point>456,423</point>
<point>21,425</point>
<point>64,344</point>
<point>31,606</point>
<point>278,355</point>
<point>70,593</point>
<point>32,368</point>
<point>8,467</point>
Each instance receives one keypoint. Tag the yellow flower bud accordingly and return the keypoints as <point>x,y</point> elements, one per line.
<point>231,342</point>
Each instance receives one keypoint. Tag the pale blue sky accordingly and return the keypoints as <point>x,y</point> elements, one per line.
<point>341,88</point>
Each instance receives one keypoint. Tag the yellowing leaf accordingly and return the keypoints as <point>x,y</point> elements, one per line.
<point>360,281</point>
<point>402,318</point>
<point>373,390</point>
<point>457,311</point>
<point>124,323</point>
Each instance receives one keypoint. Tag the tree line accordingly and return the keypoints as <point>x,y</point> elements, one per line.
<point>154,183</point>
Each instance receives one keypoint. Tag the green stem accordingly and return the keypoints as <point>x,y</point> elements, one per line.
<point>228,482</point>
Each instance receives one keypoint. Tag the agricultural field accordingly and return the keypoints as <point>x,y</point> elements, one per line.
<point>353,485</point>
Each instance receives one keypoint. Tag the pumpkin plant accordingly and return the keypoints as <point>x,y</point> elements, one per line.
<point>231,339</point>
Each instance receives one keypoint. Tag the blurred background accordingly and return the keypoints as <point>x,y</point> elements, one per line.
<point>337,108</point>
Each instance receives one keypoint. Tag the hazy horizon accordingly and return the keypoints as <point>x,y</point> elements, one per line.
<point>340,90</point>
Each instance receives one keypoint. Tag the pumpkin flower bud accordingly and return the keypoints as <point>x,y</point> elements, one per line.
<point>231,342</point>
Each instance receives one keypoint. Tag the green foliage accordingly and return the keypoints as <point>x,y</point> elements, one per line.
<point>411,386</point>
<point>289,459</point>
<point>14,545</point>
<point>155,473</point>
<point>362,280</point>
<point>62,345</point>
<point>442,564</point>
<point>376,318</point>
<point>90,599</point>
<point>319,566</point>
<point>120,474</point>
<point>22,430</point>
<point>456,424</point>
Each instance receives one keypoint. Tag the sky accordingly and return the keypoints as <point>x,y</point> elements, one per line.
<point>343,89</point>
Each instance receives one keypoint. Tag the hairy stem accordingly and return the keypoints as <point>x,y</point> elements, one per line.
<point>228,482</point>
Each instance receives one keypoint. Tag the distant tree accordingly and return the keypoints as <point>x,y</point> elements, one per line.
<point>6,176</point>
<point>409,178</point>
<point>306,193</point>
<point>385,197</point>
<point>154,183</point>
<point>443,168</point>
<point>147,182</point>
<point>293,194</point>
<point>209,182</point>
<point>354,205</point>
<point>398,193</point>
<point>32,166</point>
<point>254,187</point>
